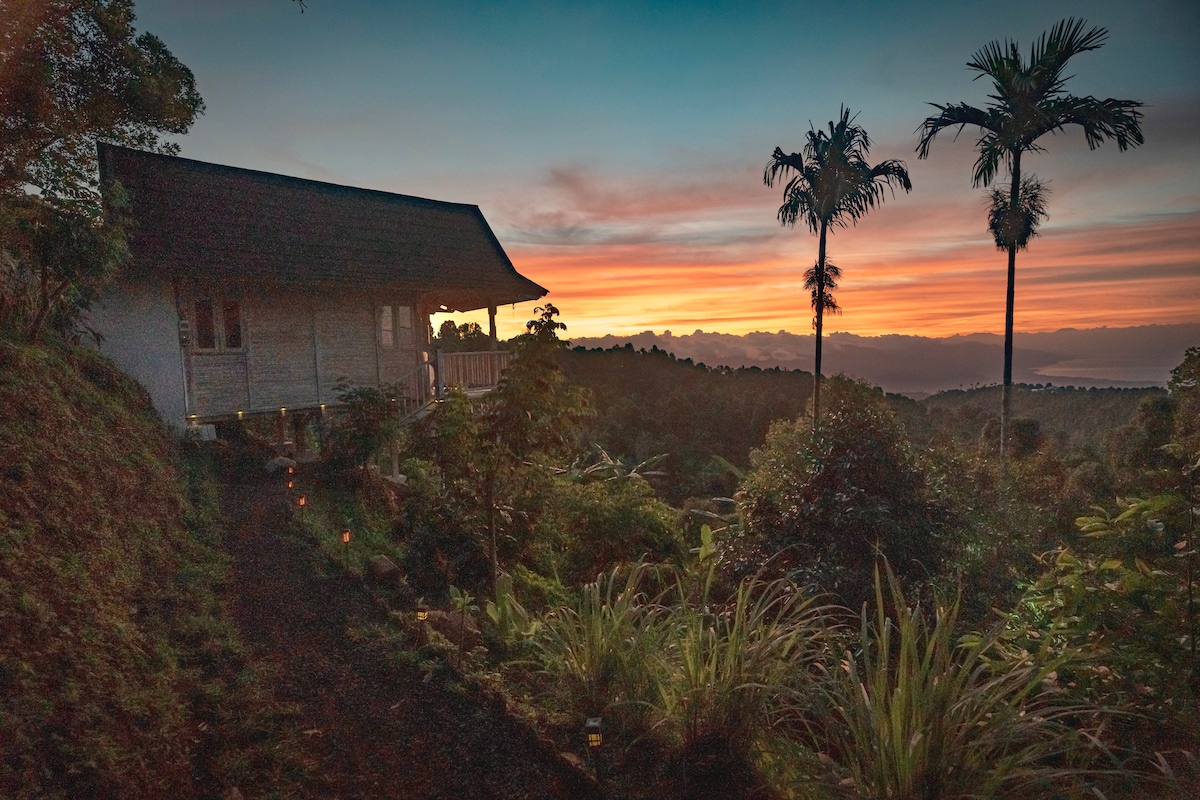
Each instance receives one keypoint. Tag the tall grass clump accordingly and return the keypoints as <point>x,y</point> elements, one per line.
<point>599,650</point>
<point>914,713</point>
<point>727,671</point>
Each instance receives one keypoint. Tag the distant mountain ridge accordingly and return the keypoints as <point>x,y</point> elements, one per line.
<point>918,366</point>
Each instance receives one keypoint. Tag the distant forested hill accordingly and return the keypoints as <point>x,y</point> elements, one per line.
<point>920,366</point>
<point>649,402</point>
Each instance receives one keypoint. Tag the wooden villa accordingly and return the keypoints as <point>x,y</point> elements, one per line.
<point>250,293</point>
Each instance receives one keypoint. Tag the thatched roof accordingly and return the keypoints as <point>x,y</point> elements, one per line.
<point>194,219</point>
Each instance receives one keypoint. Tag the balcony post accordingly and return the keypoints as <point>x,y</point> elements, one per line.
<point>492,327</point>
<point>438,375</point>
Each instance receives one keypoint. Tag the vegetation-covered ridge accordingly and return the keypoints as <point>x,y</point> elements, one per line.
<point>120,674</point>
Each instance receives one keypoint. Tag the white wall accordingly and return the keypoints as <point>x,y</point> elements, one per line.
<point>140,327</point>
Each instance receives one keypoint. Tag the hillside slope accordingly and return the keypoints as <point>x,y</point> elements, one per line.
<point>154,644</point>
<point>115,665</point>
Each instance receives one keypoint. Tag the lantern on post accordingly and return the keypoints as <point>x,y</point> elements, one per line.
<point>346,536</point>
<point>593,732</point>
<point>422,612</point>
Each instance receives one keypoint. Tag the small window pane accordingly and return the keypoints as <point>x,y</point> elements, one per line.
<point>231,314</point>
<point>206,331</point>
<point>403,317</point>
<point>387,333</point>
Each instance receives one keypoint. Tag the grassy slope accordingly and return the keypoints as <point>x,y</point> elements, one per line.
<point>119,676</point>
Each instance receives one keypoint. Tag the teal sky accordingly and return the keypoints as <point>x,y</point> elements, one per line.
<point>603,139</point>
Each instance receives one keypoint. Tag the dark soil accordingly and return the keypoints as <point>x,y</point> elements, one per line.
<point>370,728</point>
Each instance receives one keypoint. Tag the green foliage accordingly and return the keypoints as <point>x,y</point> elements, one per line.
<point>729,669</point>
<point>1126,594</point>
<point>599,648</point>
<point>367,424</point>
<point>75,72</point>
<point>825,505</point>
<point>908,713</point>
<point>585,528</point>
<point>53,258</point>
<point>1185,389</point>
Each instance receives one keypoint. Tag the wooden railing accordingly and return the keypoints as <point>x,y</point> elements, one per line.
<point>474,373</point>
<point>471,372</point>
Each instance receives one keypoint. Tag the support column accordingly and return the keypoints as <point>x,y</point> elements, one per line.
<point>492,328</point>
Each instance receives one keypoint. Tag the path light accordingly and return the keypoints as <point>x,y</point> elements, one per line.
<point>302,500</point>
<point>346,536</point>
<point>290,484</point>
<point>291,470</point>
<point>422,612</point>
<point>593,732</point>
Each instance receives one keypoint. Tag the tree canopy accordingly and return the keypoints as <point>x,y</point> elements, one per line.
<point>73,72</point>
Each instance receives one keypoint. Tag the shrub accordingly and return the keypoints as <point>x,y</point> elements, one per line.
<point>824,506</point>
<point>912,714</point>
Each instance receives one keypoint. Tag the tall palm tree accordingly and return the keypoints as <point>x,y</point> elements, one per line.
<point>1029,102</point>
<point>833,184</point>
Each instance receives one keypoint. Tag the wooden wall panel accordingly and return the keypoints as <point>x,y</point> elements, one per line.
<point>283,367</point>
<point>219,384</point>
<point>345,327</point>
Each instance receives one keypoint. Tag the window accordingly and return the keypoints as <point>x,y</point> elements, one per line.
<point>231,315</point>
<point>218,323</point>
<point>403,317</point>
<point>387,330</point>
<point>206,327</point>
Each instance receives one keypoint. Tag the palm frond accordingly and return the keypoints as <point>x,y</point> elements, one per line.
<point>959,115</point>
<point>1014,224</point>
<point>1028,101</point>
<point>1118,120</point>
<point>1048,56</point>
<point>821,281</point>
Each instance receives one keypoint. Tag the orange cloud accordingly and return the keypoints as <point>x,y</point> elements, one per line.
<point>623,255</point>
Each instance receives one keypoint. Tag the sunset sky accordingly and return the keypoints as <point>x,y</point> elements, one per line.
<point>617,149</point>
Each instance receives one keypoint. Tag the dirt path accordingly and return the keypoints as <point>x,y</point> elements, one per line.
<point>372,730</point>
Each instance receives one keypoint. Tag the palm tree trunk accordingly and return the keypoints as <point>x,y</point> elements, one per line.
<point>819,307</point>
<point>1006,392</point>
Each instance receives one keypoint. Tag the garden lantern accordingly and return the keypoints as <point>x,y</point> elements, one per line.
<point>593,733</point>
<point>346,536</point>
<point>422,613</point>
<point>302,500</point>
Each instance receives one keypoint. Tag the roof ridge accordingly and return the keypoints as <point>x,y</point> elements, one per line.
<point>275,177</point>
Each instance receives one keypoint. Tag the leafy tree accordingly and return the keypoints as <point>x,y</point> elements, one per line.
<point>52,260</point>
<point>1185,390</point>
<point>832,184</point>
<point>73,72</point>
<point>824,504</point>
<point>1029,102</point>
<point>467,337</point>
